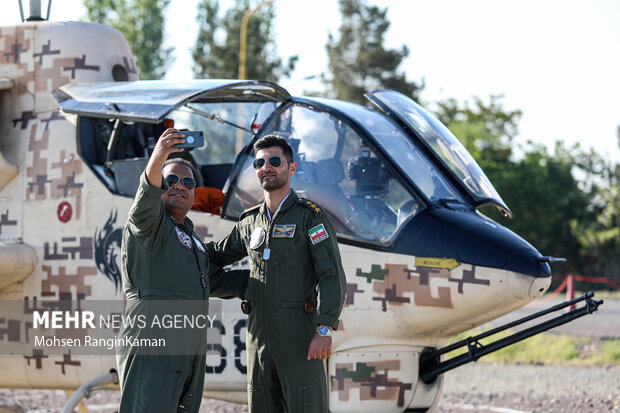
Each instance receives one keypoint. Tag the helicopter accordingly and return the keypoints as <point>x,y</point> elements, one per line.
<point>422,263</point>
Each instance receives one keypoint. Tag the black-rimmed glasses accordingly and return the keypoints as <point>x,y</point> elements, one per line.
<point>188,182</point>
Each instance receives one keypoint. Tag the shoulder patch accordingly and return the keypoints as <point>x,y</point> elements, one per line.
<point>318,234</point>
<point>310,205</point>
<point>250,210</point>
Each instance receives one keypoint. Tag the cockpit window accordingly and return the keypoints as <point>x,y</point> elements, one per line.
<point>422,173</point>
<point>338,171</point>
<point>118,150</point>
<point>226,126</point>
<point>445,145</point>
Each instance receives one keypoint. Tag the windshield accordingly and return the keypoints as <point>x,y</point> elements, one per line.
<point>337,170</point>
<point>119,150</point>
<point>442,142</point>
<point>226,126</point>
<point>422,173</point>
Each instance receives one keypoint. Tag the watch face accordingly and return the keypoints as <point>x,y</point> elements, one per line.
<point>323,330</point>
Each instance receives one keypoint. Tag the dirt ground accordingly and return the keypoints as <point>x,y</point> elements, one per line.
<point>478,387</point>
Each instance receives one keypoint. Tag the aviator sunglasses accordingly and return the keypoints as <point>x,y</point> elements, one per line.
<point>188,182</point>
<point>274,161</point>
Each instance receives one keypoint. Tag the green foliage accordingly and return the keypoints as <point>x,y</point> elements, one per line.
<point>358,60</point>
<point>547,200</point>
<point>142,24</point>
<point>482,126</point>
<point>600,238</point>
<point>548,348</point>
<point>216,52</point>
<point>609,353</point>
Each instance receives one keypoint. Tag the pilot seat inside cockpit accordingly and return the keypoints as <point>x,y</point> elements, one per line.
<point>319,181</point>
<point>355,209</point>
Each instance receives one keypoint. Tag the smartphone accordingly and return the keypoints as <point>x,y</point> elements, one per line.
<point>193,139</point>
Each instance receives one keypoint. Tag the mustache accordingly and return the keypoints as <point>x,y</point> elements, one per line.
<point>177,192</point>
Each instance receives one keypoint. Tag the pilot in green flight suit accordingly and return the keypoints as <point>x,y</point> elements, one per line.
<point>292,248</point>
<point>165,270</point>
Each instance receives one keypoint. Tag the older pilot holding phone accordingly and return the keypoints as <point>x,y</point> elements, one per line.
<point>163,259</point>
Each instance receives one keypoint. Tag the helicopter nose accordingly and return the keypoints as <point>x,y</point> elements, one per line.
<point>498,247</point>
<point>526,287</point>
<point>472,238</point>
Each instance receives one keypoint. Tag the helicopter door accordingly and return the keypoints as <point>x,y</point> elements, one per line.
<point>151,100</point>
<point>336,169</point>
<point>119,123</point>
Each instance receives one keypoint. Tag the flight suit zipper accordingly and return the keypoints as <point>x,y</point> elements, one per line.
<point>203,279</point>
<point>267,250</point>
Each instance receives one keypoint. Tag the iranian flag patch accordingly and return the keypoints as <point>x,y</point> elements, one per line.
<point>318,234</point>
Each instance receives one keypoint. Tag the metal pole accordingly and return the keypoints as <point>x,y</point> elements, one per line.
<point>86,390</point>
<point>570,291</point>
<point>430,370</point>
<point>243,74</point>
<point>243,37</point>
<point>496,330</point>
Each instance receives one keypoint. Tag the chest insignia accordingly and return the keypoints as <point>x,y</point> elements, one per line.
<point>318,234</point>
<point>257,238</point>
<point>199,244</point>
<point>284,231</point>
<point>183,238</point>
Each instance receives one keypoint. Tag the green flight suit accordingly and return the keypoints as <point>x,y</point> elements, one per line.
<point>165,262</point>
<point>302,253</point>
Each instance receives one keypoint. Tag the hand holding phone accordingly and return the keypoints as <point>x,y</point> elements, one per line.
<point>193,139</point>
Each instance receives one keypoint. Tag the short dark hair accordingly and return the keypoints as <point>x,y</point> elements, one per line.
<point>269,141</point>
<point>182,162</point>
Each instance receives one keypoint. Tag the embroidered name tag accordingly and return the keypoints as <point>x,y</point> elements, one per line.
<point>284,231</point>
<point>318,234</point>
<point>183,238</point>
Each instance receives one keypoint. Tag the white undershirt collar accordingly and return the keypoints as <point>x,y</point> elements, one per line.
<point>279,206</point>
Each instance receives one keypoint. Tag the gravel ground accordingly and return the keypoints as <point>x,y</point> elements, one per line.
<point>495,387</point>
<point>477,387</point>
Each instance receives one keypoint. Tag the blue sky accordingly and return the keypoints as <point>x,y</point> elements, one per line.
<point>556,60</point>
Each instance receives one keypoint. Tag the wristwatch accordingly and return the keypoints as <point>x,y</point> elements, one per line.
<point>324,331</point>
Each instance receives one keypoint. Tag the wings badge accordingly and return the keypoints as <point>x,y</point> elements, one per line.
<point>284,231</point>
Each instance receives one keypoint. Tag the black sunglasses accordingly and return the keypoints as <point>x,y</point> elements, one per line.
<point>274,161</point>
<point>188,182</point>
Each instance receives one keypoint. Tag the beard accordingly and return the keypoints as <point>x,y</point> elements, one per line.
<point>278,181</point>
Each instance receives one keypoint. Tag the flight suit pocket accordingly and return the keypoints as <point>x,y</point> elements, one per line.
<point>256,397</point>
<point>311,399</point>
<point>187,402</point>
<point>323,262</point>
<point>160,387</point>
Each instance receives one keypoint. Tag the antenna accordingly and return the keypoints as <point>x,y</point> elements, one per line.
<point>35,10</point>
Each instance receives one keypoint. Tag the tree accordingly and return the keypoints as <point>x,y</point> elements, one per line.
<point>600,238</point>
<point>482,127</point>
<point>540,187</point>
<point>142,24</point>
<point>216,52</point>
<point>358,60</point>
